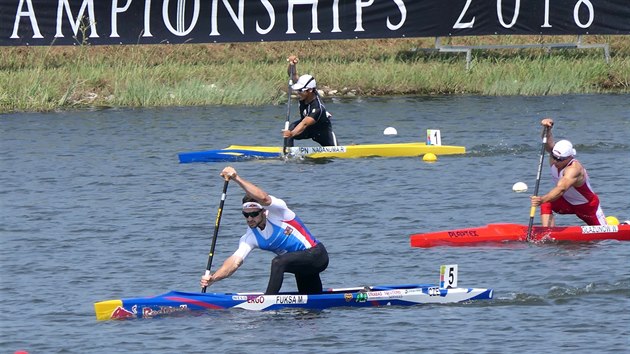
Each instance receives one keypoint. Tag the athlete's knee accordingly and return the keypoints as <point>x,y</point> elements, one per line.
<point>278,263</point>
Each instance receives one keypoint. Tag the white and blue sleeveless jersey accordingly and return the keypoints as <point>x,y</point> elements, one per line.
<point>284,232</point>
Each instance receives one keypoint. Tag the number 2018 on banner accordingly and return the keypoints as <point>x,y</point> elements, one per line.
<point>517,8</point>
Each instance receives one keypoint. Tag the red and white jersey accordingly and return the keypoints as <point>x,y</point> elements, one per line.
<point>575,196</point>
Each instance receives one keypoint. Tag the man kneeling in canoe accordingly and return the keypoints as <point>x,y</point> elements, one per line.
<point>314,122</point>
<point>272,226</point>
<point>573,193</point>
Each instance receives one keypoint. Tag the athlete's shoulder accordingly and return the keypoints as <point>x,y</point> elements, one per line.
<point>576,166</point>
<point>277,202</point>
<point>278,210</point>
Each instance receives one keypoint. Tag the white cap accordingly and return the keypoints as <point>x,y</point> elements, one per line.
<point>304,82</point>
<point>251,205</point>
<point>563,148</point>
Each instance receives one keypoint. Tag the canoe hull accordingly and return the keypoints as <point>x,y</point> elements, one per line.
<point>504,233</point>
<point>244,152</point>
<point>177,302</point>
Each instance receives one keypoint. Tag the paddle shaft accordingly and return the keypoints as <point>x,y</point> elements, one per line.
<point>532,211</point>
<point>286,123</point>
<point>216,230</point>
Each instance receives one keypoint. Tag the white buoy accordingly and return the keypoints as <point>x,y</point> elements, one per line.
<point>390,131</point>
<point>519,187</point>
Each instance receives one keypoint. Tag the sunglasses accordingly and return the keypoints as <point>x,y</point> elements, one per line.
<point>558,158</point>
<point>252,214</point>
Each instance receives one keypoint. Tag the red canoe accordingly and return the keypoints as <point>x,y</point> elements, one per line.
<point>501,233</point>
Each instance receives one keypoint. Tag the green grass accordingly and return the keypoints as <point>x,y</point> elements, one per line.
<point>50,78</point>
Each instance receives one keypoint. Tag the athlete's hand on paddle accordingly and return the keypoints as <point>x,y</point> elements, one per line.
<point>292,72</point>
<point>547,122</point>
<point>536,201</point>
<point>293,59</point>
<point>287,133</point>
<point>229,173</point>
<point>206,280</point>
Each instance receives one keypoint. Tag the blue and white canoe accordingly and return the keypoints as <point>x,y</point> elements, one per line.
<point>178,303</point>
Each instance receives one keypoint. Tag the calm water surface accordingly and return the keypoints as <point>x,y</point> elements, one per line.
<point>95,206</point>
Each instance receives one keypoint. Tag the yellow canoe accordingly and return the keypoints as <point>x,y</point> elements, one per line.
<point>356,151</point>
<point>239,152</point>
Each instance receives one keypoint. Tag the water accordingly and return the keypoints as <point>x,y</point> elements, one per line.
<point>95,206</point>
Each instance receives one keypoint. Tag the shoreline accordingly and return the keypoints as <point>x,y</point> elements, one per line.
<point>39,79</point>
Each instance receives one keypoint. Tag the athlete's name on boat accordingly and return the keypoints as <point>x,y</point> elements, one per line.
<point>279,299</point>
<point>595,229</point>
<point>462,233</point>
<point>291,299</point>
<point>302,150</point>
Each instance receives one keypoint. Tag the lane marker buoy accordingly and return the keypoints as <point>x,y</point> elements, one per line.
<point>519,187</point>
<point>429,157</point>
<point>390,131</point>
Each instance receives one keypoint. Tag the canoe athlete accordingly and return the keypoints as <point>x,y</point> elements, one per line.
<point>314,122</point>
<point>573,193</point>
<point>272,226</point>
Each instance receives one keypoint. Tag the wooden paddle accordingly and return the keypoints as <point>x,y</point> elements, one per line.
<point>216,230</point>
<point>286,124</point>
<point>532,211</point>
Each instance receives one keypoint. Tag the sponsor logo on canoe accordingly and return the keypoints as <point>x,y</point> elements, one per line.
<point>595,229</point>
<point>347,297</point>
<point>361,297</point>
<point>288,230</point>
<point>291,299</point>
<point>462,233</point>
<point>148,312</point>
<point>414,291</point>
<point>311,150</point>
<point>255,299</point>
<point>120,313</point>
<point>387,294</point>
<point>239,298</point>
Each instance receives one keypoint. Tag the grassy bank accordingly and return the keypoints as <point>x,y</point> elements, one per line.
<point>50,78</point>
